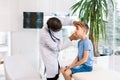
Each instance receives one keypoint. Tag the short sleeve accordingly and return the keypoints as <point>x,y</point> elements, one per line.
<point>87,45</point>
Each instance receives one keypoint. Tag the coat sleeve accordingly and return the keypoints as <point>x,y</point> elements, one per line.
<point>57,46</point>
<point>49,43</point>
<point>65,44</point>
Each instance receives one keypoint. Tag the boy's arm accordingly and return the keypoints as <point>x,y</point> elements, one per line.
<point>84,59</point>
<point>73,63</point>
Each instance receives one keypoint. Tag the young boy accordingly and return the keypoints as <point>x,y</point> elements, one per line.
<point>84,60</point>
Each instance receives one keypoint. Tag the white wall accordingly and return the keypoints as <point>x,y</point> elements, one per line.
<point>8,15</point>
<point>50,6</point>
<point>24,41</point>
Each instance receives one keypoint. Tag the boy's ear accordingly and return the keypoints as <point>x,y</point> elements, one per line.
<point>85,30</point>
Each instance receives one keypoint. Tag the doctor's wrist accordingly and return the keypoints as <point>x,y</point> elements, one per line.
<point>71,38</point>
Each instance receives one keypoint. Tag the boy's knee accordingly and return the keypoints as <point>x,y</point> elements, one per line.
<point>68,72</point>
<point>62,70</point>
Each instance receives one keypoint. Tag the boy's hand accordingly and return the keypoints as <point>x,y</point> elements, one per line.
<point>69,67</point>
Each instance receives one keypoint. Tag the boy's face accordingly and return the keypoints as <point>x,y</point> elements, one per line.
<point>80,31</point>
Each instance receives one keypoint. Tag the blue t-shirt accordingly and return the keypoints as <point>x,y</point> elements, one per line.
<point>86,45</point>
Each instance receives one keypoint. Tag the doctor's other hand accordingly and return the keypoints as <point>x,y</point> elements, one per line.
<point>74,36</point>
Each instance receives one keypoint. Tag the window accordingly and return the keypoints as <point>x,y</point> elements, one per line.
<point>112,42</point>
<point>4,44</point>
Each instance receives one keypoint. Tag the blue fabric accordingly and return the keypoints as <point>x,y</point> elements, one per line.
<point>81,68</point>
<point>86,45</point>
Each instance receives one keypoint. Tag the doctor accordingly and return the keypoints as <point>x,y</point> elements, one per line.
<point>51,44</point>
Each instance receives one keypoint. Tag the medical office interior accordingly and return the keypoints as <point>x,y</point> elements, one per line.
<point>20,56</point>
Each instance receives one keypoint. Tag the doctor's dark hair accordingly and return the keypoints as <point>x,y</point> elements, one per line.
<point>54,24</point>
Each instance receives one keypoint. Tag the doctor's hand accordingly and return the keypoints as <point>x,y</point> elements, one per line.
<point>74,36</point>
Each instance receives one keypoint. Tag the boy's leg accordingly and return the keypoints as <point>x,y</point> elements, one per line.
<point>66,73</point>
<point>62,70</point>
